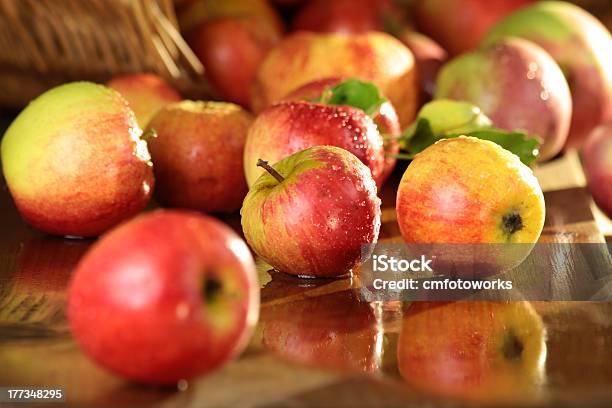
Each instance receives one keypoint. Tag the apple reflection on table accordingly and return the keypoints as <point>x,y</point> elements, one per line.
<point>333,331</point>
<point>473,350</point>
<point>38,279</point>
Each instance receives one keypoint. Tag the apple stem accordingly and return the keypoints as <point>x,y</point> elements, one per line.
<point>149,134</point>
<point>264,164</point>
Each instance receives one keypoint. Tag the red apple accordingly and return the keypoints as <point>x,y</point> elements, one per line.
<point>459,25</point>
<point>582,47</point>
<point>167,296</point>
<point>146,94</point>
<point>333,331</point>
<point>385,118</point>
<point>345,16</point>
<point>288,127</point>
<point>597,161</point>
<point>198,155</point>
<point>311,215</point>
<point>197,12</point>
<point>518,86</point>
<point>485,352</point>
<point>429,57</point>
<point>74,161</point>
<point>231,50</point>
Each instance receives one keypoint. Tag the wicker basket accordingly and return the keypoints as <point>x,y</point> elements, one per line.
<point>47,42</point>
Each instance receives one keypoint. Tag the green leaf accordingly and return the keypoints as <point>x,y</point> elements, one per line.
<point>443,119</point>
<point>356,93</point>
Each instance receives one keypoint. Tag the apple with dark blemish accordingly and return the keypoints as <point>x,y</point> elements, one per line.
<point>304,57</point>
<point>288,127</point>
<point>477,351</point>
<point>74,161</point>
<point>165,297</point>
<point>466,190</point>
<point>518,86</point>
<point>459,25</point>
<point>581,45</point>
<point>145,93</point>
<point>597,162</point>
<point>384,116</point>
<point>312,213</point>
<point>197,155</point>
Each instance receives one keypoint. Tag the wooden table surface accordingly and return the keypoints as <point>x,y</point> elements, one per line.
<point>316,344</point>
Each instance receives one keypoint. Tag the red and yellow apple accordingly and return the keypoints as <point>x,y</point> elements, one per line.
<point>333,331</point>
<point>288,127</point>
<point>597,162</point>
<point>518,86</point>
<point>74,161</point>
<point>167,296</point>
<point>145,93</point>
<point>231,50</point>
<point>198,155</point>
<point>459,25</point>
<point>312,213</point>
<point>469,191</point>
<point>385,118</point>
<point>304,57</point>
<point>485,352</point>
<point>582,47</point>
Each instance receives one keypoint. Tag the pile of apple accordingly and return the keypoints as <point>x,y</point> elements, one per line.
<point>311,128</point>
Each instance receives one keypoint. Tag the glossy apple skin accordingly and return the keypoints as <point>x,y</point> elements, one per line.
<point>473,350</point>
<point>145,93</point>
<point>334,331</point>
<point>288,127</point>
<point>458,191</point>
<point>304,57</point>
<point>459,25</point>
<point>582,47</point>
<point>516,84</point>
<point>597,162</point>
<point>198,155</point>
<point>231,50</point>
<point>429,57</point>
<point>342,16</point>
<point>385,119</point>
<point>138,302</point>
<point>74,161</point>
<point>315,222</point>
